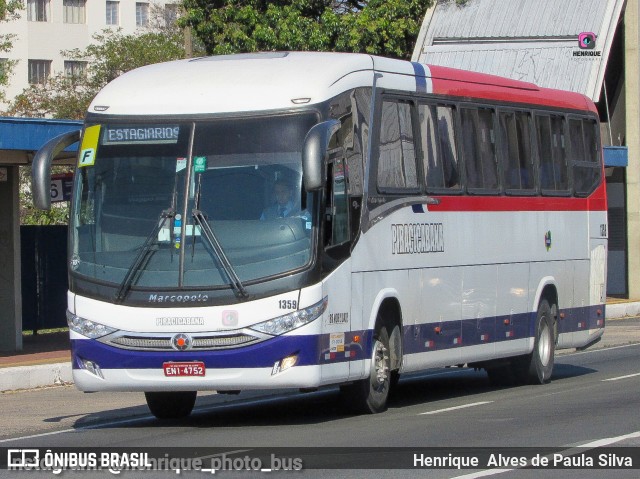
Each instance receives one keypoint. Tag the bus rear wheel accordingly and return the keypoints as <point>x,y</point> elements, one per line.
<point>537,367</point>
<point>171,404</point>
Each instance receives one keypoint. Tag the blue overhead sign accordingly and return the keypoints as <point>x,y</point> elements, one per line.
<point>616,156</point>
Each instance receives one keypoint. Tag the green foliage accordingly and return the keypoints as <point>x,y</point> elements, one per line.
<point>29,214</point>
<point>60,97</point>
<point>9,9</point>
<point>383,27</point>
<point>113,54</point>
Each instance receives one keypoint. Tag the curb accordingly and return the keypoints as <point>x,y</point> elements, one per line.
<point>37,376</point>
<point>622,310</point>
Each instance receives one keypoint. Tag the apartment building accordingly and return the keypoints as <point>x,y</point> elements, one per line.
<point>47,27</point>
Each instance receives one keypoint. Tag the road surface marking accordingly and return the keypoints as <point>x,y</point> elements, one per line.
<point>622,377</point>
<point>438,411</point>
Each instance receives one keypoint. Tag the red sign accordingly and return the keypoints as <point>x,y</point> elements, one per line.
<point>192,368</point>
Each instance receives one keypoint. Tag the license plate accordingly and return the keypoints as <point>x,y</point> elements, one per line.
<point>193,368</point>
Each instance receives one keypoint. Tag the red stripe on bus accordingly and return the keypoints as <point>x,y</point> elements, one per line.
<point>596,202</point>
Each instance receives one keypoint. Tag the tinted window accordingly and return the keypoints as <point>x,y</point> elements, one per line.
<point>439,147</point>
<point>515,151</point>
<point>397,159</point>
<point>554,173</point>
<point>584,155</point>
<point>339,204</point>
<point>479,148</point>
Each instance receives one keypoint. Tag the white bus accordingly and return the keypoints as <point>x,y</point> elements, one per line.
<point>298,220</point>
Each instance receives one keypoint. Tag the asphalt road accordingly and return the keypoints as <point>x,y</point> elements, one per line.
<point>592,400</point>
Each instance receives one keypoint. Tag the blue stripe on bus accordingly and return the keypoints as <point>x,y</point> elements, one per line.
<point>311,350</point>
<point>417,208</point>
<point>421,77</point>
<point>469,332</point>
<point>315,349</point>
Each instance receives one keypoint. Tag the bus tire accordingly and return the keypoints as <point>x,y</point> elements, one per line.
<point>537,367</point>
<point>369,396</point>
<point>171,404</point>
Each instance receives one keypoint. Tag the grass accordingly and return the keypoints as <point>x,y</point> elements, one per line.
<point>30,332</point>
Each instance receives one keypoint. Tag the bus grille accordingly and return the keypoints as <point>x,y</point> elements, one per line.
<point>206,341</point>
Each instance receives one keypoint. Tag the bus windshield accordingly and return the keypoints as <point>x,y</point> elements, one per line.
<point>204,204</point>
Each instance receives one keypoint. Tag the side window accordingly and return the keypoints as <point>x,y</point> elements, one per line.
<point>339,204</point>
<point>515,152</point>
<point>479,149</point>
<point>584,155</point>
<point>439,147</point>
<point>397,158</point>
<point>337,212</point>
<point>554,172</point>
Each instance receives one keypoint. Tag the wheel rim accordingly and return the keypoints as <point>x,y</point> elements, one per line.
<point>544,344</point>
<point>380,373</point>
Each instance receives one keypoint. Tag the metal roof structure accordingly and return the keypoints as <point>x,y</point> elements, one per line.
<point>524,40</point>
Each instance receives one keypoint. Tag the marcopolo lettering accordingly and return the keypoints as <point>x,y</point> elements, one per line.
<point>178,298</point>
<point>417,238</point>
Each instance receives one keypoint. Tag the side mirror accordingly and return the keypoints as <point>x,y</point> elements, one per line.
<point>315,154</point>
<point>41,167</point>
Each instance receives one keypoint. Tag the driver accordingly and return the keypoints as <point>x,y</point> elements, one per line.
<point>284,206</point>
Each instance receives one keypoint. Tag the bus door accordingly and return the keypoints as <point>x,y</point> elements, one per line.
<point>342,341</point>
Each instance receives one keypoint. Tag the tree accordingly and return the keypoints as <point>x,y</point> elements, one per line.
<point>8,11</point>
<point>383,27</point>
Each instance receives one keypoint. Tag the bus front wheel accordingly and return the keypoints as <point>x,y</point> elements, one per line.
<point>370,395</point>
<point>171,404</point>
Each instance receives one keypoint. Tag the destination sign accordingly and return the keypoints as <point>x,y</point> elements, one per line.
<point>125,135</point>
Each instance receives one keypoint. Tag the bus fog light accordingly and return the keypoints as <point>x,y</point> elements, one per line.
<point>288,362</point>
<point>284,364</point>
<point>92,367</point>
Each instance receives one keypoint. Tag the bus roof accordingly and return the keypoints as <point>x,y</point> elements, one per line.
<point>290,80</point>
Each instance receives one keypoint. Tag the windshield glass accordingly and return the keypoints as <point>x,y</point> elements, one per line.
<point>194,204</point>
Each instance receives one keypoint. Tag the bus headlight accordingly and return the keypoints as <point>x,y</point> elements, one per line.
<point>291,321</point>
<point>87,328</point>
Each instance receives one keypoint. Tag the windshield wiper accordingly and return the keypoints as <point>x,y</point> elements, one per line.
<point>224,262</point>
<point>142,256</point>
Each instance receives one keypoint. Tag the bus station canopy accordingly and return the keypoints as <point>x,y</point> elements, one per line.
<point>20,138</point>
